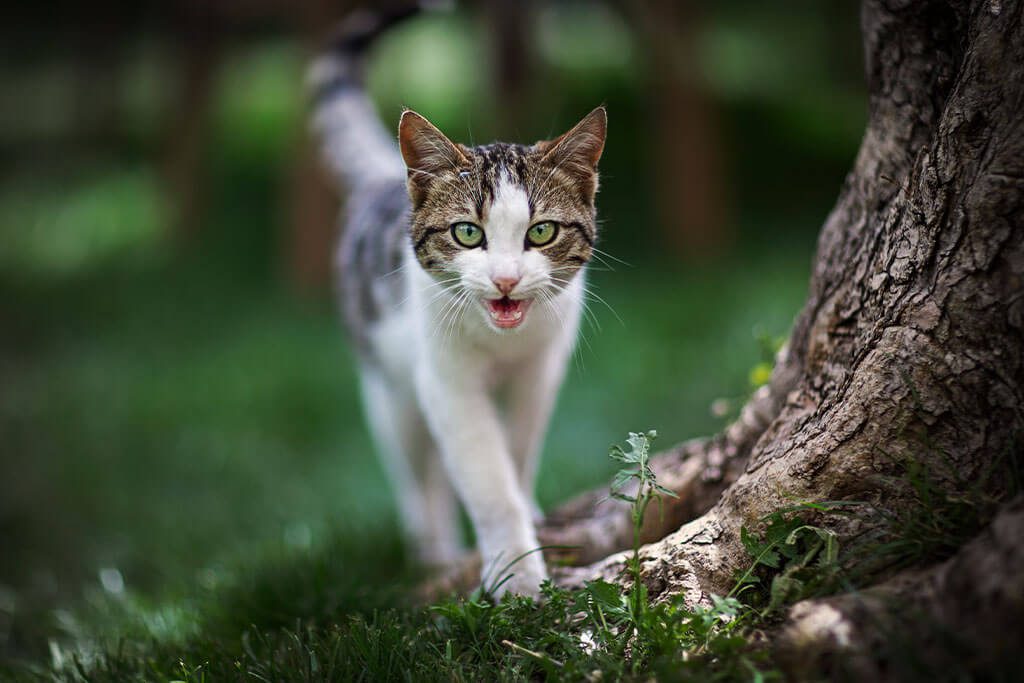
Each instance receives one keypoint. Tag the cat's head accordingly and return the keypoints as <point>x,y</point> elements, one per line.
<point>505,227</point>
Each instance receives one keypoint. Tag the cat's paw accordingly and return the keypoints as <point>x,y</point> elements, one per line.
<point>522,578</point>
<point>521,584</point>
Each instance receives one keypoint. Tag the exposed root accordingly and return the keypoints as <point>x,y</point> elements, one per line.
<point>971,605</point>
<point>592,526</point>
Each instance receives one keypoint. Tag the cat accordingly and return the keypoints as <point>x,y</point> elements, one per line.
<point>461,272</point>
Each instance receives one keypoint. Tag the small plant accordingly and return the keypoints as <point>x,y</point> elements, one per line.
<point>801,559</point>
<point>696,639</point>
<point>636,456</point>
<point>760,374</point>
<point>768,347</point>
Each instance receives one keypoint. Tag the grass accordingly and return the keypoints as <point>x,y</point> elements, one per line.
<point>454,640</point>
<point>179,431</point>
<point>299,630</point>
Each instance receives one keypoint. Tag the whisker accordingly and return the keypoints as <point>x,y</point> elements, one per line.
<point>463,307</point>
<point>605,254</point>
<point>458,312</point>
<point>446,310</point>
<point>588,291</point>
<point>599,298</point>
<point>437,283</point>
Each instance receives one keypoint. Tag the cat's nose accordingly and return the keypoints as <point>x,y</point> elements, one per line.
<point>505,285</point>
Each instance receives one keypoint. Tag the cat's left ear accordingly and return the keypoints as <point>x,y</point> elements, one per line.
<point>579,150</point>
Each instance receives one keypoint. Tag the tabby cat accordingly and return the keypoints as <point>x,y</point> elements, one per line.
<point>461,272</point>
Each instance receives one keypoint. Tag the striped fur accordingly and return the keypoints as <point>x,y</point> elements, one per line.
<point>469,191</point>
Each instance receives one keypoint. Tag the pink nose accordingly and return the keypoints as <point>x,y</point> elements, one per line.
<point>505,285</point>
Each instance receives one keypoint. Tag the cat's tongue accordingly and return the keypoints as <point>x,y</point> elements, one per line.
<point>508,313</point>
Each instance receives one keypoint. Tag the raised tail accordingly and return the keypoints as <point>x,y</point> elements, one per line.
<point>356,146</point>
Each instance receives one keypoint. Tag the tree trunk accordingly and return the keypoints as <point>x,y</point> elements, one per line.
<point>689,175</point>
<point>909,352</point>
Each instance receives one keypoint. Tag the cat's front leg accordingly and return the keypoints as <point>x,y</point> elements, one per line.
<point>465,423</point>
<point>533,392</point>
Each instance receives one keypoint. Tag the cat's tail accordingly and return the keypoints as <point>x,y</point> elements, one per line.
<point>356,146</point>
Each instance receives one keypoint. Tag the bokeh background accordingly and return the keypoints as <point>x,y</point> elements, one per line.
<point>178,408</point>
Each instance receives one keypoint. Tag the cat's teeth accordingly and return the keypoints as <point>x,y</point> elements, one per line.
<point>506,312</point>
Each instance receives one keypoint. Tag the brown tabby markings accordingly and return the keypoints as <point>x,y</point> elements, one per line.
<point>469,190</point>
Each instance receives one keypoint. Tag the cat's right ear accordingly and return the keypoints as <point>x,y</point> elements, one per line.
<point>582,146</point>
<point>578,151</point>
<point>426,150</point>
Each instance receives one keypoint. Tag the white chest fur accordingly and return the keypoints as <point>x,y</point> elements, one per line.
<point>437,390</point>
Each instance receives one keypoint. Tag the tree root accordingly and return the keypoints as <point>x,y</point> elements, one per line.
<point>966,612</point>
<point>592,525</point>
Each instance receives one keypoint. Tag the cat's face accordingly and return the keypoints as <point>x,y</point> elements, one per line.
<point>502,228</point>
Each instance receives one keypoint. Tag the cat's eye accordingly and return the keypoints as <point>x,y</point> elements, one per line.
<point>467,234</point>
<point>541,233</point>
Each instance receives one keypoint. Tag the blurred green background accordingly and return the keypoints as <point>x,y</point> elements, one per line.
<point>178,408</point>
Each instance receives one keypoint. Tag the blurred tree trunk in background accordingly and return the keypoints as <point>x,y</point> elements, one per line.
<point>688,163</point>
<point>98,81</point>
<point>311,223</point>
<point>313,202</point>
<point>904,370</point>
<point>199,36</point>
<point>510,24</point>
<point>201,31</point>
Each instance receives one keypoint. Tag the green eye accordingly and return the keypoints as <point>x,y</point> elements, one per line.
<point>540,234</point>
<point>467,234</point>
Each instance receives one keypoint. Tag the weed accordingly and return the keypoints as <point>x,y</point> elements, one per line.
<point>637,458</point>
<point>944,508</point>
<point>797,560</point>
<point>768,347</point>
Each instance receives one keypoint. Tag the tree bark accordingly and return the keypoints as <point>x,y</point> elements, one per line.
<point>936,612</point>
<point>909,349</point>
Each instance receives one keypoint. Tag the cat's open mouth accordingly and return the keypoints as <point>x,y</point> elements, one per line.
<point>507,313</point>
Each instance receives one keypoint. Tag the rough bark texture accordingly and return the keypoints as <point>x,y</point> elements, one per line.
<point>934,613</point>
<point>593,526</point>
<point>910,346</point>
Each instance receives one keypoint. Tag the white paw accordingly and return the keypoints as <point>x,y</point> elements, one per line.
<point>523,577</point>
